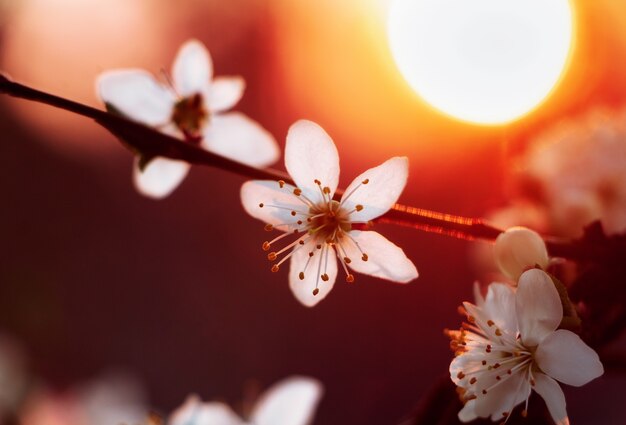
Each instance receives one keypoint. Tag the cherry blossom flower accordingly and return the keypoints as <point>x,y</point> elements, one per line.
<point>511,345</point>
<point>289,402</point>
<point>323,226</point>
<point>576,172</point>
<point>192,107</point>
<point>518,249</point>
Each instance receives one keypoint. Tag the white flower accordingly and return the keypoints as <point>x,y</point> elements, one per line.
<point>578,171</point>
<point>323,227</point>
<point>511,345</point>
<point>191,107</point>
<point>289,402</point>
<point>518,249</point>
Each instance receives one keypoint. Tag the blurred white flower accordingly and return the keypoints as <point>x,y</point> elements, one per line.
<point>324,226</point>
<point>579,169</point>
<point>511,345</point>
<point>518,249</point>
<point>113,400</point>
<point>289,402</point>
<point>193,107</point>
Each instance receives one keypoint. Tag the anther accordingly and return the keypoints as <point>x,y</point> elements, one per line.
<point>484,362</point>
<point>532,382</point>
<point>281,183</point>
<point>524,413</point>
<point>490,323</point>
<point>473,381</point>
<point>301,242</point>
<point>316,291</point>
<point>366,181</point>
<point>498,377</point>
<point>271,256</point>
<point>460,375</point>
<point>488,349</point>
<point>311,254</point>
<point>261,205</point>
<point>297,191</point>
<point>498,332</point>
<point>324,277</point>
<point>299,222</point>
<point>365,257</point>
<point>275,268</point>
<point>316,181</point>
<point>350,278</point>
<point>318,246</point>
<point>484,392</point>
<point>266,246</point>
<point>359,207</point>
<point>293,213</point>
<point>326,190</point>
<point>269,227</point>
<point>347,260</point>
<point>301,275</point>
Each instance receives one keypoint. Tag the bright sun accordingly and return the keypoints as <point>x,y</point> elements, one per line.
<point>483,61</point>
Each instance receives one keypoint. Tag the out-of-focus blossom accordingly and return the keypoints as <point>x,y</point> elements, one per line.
<point>192,107</point>
<point>324,226</point>
<point>289,402</point>
<point>518,249</point>
<point>511,345</point>
<point>578,169</point>
<point>111,401</point>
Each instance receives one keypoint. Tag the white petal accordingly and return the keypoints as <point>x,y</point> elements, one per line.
<point>467,413</point>
<point>384,259</point>
<point>160,177</point>
<point>385,184</point>
<point>192,69</point>
<point>288,402</point>
<point>194,412</point>
<point>310,154</point>
<point>137,95</point>
<point>519,249</point>
<point>552,394</point>
<point>270,194</point>
<point>239,138</point>
<point>503,398</point>
<point>538,306</point>
<point>499,306</point>
<point>323,261</point>
<point>565,357</point>
<point>224,93</point>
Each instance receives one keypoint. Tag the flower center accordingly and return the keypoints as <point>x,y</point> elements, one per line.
<point>323,227</point>
<point>190,116</point>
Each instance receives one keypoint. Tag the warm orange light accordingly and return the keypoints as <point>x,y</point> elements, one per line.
<point>483,61</point>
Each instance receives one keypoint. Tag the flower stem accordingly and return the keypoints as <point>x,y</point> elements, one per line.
<point>150,143</point>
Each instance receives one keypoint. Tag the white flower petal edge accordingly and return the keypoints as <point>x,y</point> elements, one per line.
<point>323,227</point>
<point>500,358</point>
<point>384,185</point>
<point>538,307</point>
<point>137,95</point>
<point>310,156</point>
<point>565,357</point>
<point>552,394</point>
<point>289,402</point>
<point>195,412</point>
<point>257,194</point>
<point>192,69</point>
<point>237,137</point>
<point>224,93</point>
<point>159,177</point>
<point>385,259</point>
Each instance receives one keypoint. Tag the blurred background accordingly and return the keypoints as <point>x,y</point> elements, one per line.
<point>177,293</point>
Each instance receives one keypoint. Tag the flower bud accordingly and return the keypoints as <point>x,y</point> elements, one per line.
<point>519,249</point>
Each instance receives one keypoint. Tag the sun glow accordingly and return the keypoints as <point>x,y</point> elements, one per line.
<point>482,61</point>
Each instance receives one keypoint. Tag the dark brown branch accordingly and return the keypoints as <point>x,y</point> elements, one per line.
<point>150,143</point>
